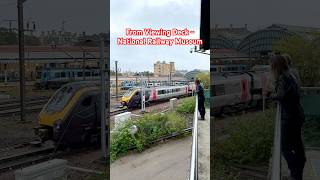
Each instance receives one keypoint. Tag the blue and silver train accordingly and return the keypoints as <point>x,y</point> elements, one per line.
<point>54,78</point>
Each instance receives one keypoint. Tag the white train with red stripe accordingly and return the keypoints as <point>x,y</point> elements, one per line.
<point>132,98</point>
<point>238,90</point>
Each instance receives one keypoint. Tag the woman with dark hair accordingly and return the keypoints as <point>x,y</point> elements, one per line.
<point>292,116</point>
<point>292,69</point>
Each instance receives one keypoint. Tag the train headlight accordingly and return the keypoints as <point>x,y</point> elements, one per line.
<point>57,125</point>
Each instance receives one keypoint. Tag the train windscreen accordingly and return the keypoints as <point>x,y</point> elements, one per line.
<point>129,92</point>
<point>60,99</point>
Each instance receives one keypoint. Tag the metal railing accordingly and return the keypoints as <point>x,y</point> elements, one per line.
<point>276,154</point>
<point>194,151</point>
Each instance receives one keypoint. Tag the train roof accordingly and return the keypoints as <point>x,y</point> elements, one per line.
<point>234,75</point>
<point>81,84</point>
<point>159,87</point>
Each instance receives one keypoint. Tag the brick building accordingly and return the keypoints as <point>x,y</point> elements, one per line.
<point>39,57</point>
<point>163,68</point>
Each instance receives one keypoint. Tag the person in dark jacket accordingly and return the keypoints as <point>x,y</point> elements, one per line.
<point>292,116</point>
<point>201,99</point>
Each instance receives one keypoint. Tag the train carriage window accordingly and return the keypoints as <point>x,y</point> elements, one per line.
<point>162,92</point>
<point>87,101</point>
<point>87,73</point>
<point>63,74</point>
<point>57,75</point>
<point>218,90</point>
<point>79,74</point>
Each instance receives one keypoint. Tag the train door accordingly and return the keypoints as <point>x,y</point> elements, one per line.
<point>84,118</point>
<point>244,90</point>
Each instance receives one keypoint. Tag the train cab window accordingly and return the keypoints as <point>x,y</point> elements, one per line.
<point>87,101</point>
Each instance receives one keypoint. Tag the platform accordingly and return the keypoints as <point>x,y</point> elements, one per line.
<point>204,147</point>
<point>312,166</point>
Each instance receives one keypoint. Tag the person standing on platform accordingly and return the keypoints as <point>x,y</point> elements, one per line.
<point>201,99</point>
<point>292,116</point>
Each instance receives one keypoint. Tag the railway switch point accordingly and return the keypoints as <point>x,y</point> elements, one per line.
<point>49,170</point>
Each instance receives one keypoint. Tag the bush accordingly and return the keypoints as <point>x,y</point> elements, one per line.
<point>312,132</point>
<point>150,129</point>
<point>187,106</point>
<point>250,141</point>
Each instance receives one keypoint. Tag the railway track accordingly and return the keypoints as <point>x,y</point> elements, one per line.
<point>19,157</point>
<point>9,102</point>
<point>11,108</point>
<point>25,154</point>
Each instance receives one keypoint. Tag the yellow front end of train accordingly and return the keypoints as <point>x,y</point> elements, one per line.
<point>59,120</point>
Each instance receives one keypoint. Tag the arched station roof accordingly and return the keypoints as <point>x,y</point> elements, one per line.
<point>220,42</point>
<point>262,41</point>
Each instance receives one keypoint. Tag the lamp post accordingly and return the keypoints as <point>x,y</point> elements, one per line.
<point>116,65</point>
<point>103,99</point>
<point>104,95</point>
<point>21,58</point>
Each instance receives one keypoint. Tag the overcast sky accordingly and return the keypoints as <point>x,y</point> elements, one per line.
<point>165,14</point>
<point>261,13</point>
<point>80,15</point>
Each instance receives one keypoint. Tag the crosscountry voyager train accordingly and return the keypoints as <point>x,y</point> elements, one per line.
<point>240,90</point>
<point>72,115</point>
<point>132,98</point>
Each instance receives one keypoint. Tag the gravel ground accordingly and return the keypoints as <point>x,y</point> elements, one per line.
<point>170,161</point>
<point>12,131</point>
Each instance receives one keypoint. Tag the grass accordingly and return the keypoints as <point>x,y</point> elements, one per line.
<point>249,143</point>
<point>187,105</point>
<point>311,131</point>
<point>150,128</point>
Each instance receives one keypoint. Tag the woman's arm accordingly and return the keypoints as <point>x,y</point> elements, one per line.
<point>282,88</point>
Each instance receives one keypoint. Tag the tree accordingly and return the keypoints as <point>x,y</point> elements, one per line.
<point>8,38</point>
<point>305,57</point>
<point>204,77</point>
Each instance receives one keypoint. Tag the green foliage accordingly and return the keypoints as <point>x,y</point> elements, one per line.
<point>8,38</point>
<point>187,106</point>
<point>150,129</point>
<point>250,141</point>
<point>204,77</point>
<point>305,56</point>
<point>312,132</point>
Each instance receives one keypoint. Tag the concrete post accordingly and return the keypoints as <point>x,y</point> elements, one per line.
<point>173,104</point>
